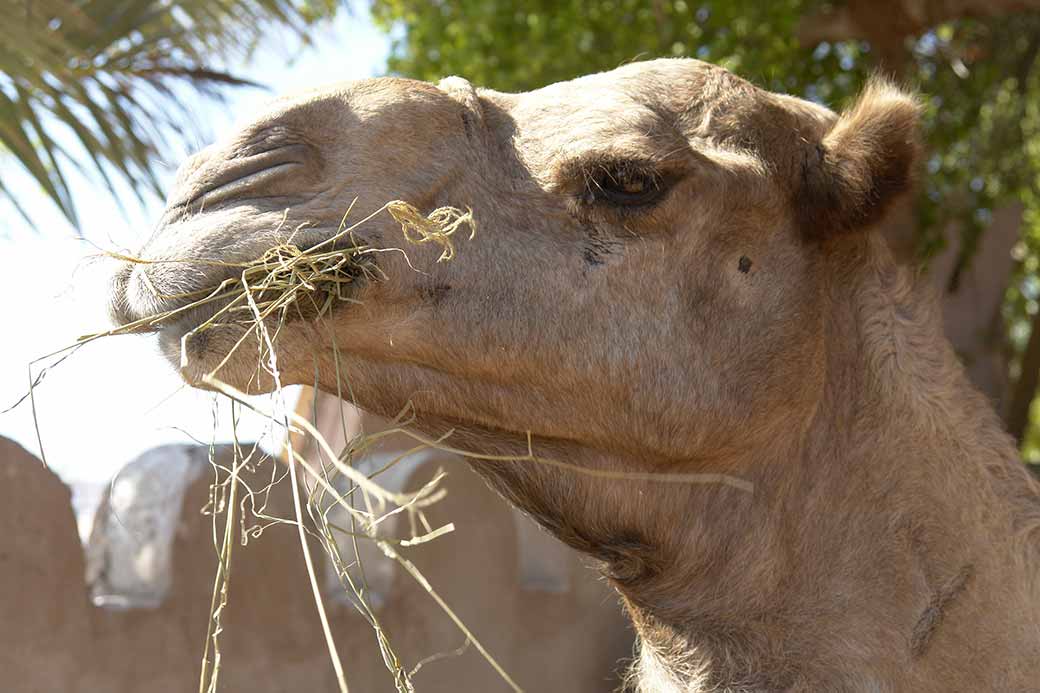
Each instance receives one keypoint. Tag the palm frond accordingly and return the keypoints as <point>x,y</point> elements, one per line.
<point>105,76</point>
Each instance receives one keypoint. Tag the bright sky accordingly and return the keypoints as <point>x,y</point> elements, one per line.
<point>117,397</point>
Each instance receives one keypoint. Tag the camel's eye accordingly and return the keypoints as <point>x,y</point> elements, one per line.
<point>625,186</point>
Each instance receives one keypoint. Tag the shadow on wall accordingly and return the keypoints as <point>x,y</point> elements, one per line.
<point>52,638</point>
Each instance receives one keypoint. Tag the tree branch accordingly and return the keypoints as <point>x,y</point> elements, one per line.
<point>890,22</point>
<point>1025,389</point>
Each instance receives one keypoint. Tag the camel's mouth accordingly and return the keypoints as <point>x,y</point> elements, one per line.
<point>288,282</point>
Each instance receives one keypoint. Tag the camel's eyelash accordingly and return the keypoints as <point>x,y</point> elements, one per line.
<point>622,184</point>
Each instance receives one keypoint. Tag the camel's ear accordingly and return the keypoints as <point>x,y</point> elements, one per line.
<point>866,160</point>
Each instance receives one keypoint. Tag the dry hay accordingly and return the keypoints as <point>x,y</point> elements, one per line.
<point>289,282</point>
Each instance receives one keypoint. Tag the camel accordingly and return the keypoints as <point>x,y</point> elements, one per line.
<point>676,273</point>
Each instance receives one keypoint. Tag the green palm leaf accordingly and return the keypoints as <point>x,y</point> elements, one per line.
<point>104,76</point>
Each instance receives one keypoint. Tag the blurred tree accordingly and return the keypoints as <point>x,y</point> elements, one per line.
<point>102,76</point>
<point>977,220</point>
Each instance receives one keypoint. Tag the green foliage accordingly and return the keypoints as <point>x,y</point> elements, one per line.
<point>981,87</point>
<point>519,46</point>
<point>103,76</point>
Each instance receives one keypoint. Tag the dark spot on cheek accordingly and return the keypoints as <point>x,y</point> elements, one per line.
<point>593,257</point>
<point>434,293</point>
<point>467,124</point>
<point>597,247</point>
<point>744,264</point>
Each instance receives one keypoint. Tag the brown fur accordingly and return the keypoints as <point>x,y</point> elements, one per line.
<point>748,322</point>
<point>862,164</point>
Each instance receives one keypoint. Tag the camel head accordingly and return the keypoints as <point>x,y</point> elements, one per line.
<point>645,288</point>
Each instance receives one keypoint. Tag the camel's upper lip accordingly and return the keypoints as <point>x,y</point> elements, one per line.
<point>119,309</point>
<point>131,301</point>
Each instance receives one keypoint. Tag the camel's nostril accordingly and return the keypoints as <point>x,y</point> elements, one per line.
<point>219,179</point>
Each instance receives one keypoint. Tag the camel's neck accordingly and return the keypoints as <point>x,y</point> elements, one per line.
<point>900,530</point>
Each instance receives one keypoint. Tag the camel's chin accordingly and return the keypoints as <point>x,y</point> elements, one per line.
<point>199,356</point>
<point>188,352</point>
<point>225,355</point>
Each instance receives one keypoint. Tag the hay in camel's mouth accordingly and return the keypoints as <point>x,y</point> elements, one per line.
<point>288,280</point>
